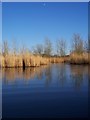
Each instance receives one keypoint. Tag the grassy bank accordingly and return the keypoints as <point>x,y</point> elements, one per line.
<point>27,60</point>
<point>83,58</point>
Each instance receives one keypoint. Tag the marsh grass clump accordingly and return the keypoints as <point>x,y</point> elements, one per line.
<point>2,63</point>
<point>80,53</point>
<point>79,58</point>
<point>18,61</point>
<point>9,61</point>
<point>44,54</point>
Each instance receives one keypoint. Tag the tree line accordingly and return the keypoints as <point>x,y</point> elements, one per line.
<point>78,45</point>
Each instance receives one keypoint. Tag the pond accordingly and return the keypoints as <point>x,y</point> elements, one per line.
<point>55,90</point>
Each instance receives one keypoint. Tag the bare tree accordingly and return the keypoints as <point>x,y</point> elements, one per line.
<point>86,46</point>
<point>0,48</point>
<point>24,50</point>
<point>48,47</point>
<point>14,47</point>
<point>89,44</point>
<point>61,47</point>
<point>38,49</point>
<point>5,48</point>
<point>78,45</point>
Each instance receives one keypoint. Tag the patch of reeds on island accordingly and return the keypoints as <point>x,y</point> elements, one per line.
<point>83,58</point>
<point>30,60</point>
<point>57,60</point>
<point>27,60</point>
<point>2,61</point>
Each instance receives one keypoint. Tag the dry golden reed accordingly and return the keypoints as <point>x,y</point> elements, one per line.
<point>80,58</point>
<point>29,60</point>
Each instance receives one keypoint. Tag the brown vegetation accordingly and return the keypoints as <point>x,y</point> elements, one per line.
<point>44,54</point>
<point>36,61</point>
<point>80,58</point>
<point>27,60</point>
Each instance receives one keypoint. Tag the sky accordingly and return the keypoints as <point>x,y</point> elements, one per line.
<point>30,23</point>
<point>88,21</point>
<point>0,22</point>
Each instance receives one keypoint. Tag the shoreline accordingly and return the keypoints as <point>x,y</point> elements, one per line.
<point>27,60</point>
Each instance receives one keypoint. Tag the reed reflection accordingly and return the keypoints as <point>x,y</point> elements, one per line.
<point>61,74</point>
<point>78,75</point>
<point>54,74</point>
<point>12,74</point>
<point>89,76</point>
<point>0,74</point>
<point>48,75</point>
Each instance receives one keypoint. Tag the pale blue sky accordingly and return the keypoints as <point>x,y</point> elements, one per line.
<point>30,23</point>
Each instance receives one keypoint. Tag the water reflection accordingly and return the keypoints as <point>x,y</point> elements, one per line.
<point>61,73</point>
<point>53,74</point>
<point>89,77</point>
<point>52,90</point>
<point>12,74</point>
<point>79,74</point>
<point>48,75</point>
<point>0,104</point>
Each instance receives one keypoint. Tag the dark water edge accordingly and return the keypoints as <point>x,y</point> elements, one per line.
<point>56,90</point>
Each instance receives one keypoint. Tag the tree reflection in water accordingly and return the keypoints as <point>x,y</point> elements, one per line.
<point>15,74</point>
<point>48,75</point>
<point>78,72</point>
<point>56,74</point>
<point>89,77</point>
<point>61,74</point>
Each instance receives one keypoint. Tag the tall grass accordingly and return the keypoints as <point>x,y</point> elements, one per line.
<point>27,60</point>
<point>44,54</point>
<point>80,58</point>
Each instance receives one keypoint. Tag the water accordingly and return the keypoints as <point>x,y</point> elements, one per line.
<point>56,90</point>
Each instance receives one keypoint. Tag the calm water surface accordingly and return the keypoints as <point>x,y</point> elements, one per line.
<point>56,90</point>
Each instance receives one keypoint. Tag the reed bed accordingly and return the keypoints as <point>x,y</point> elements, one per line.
<point>83,58</point>
<point>2,59</point>
<point>57,60</point>
<point>29,60</point>
<point>18,61</point>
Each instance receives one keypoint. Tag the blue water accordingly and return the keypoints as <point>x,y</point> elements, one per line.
<point>56,90</point>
